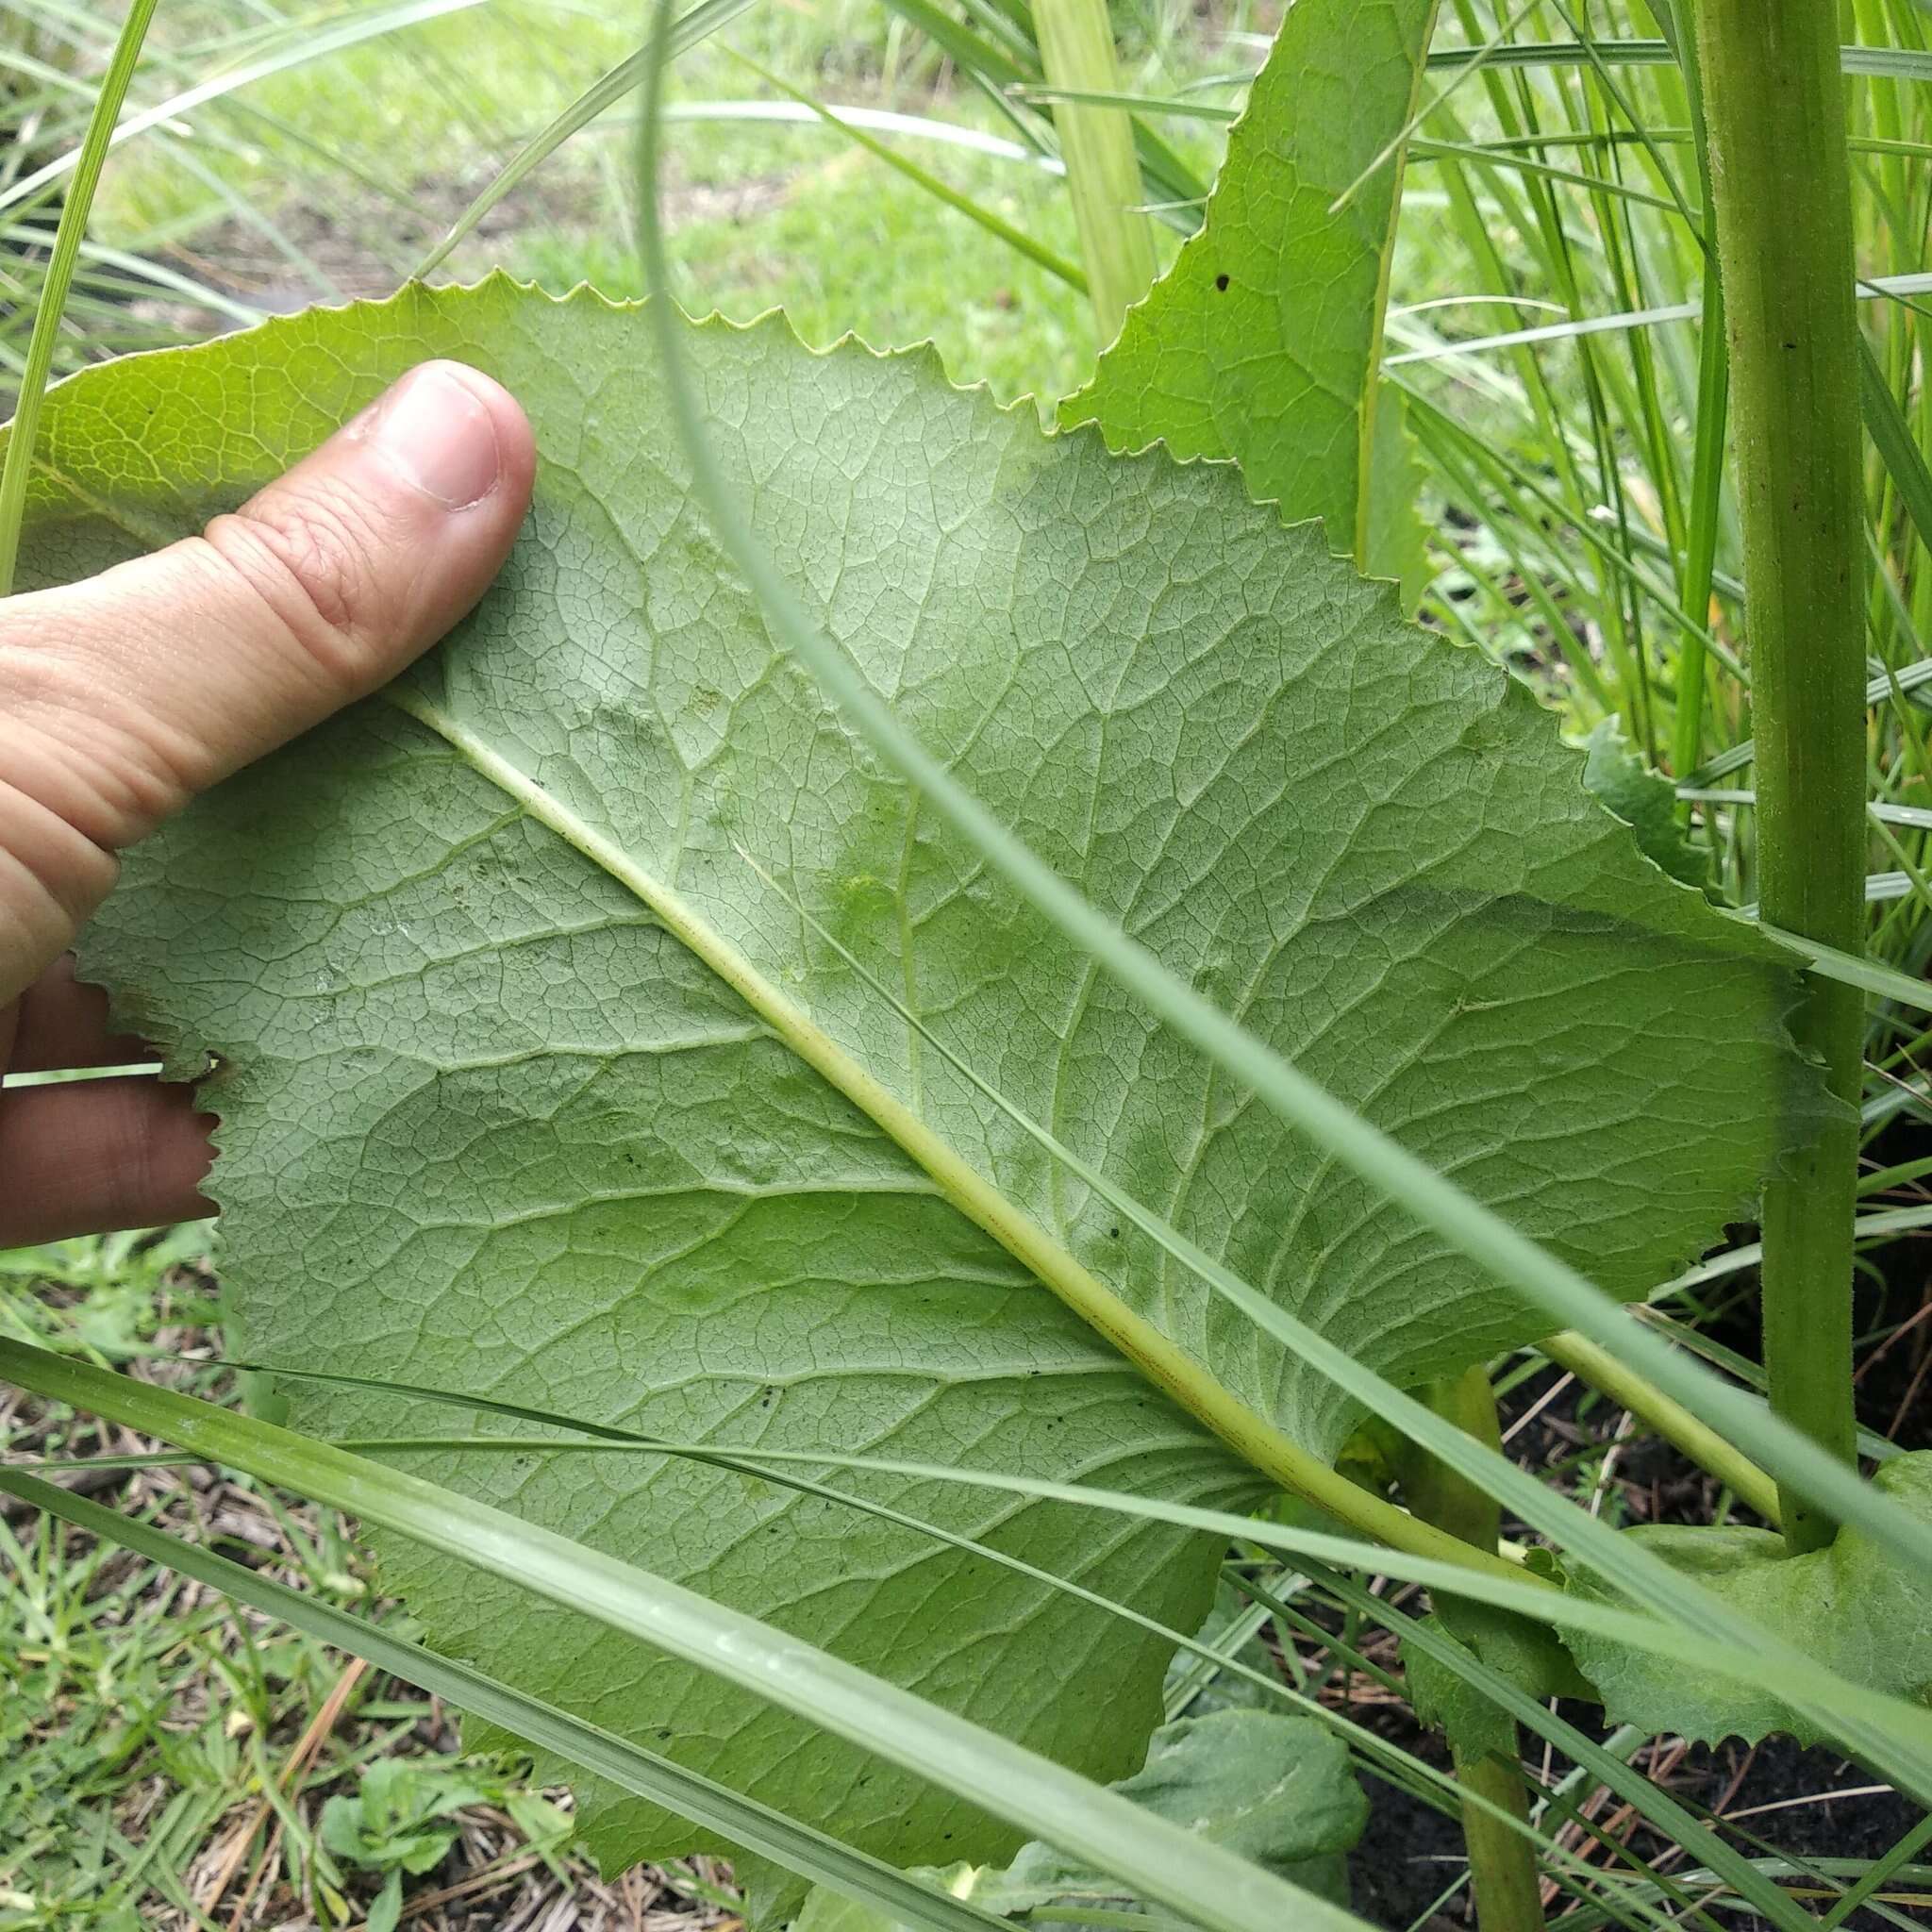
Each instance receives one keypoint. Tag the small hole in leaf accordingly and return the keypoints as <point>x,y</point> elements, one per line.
<point>1221,283</point>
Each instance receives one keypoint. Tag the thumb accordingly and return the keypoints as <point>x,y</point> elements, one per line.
<point>123,696</point>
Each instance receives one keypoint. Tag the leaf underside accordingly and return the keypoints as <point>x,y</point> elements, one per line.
<point>487,1126</point>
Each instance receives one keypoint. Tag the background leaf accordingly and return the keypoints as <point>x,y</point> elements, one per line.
<point>488,1126</point>
<point>1645,799</point>
<point>1854,1609</point>
<point>1263,340</point>
<point>1277,1790</point>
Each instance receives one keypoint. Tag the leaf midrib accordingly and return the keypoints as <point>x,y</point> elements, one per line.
<point>1248,1434</point>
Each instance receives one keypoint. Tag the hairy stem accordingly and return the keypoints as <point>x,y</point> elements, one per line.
<point>1097,143</point>
<point>1502,1862</point>
<point>1781,193</point>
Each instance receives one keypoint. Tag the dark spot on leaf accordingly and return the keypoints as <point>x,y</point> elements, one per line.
<point>1221,282</point>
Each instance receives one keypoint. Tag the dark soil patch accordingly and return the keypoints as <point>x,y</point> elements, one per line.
<point>1411,1853</point>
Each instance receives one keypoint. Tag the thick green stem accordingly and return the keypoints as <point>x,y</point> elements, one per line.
<point>1502,1863</point>
<point>1097,144</point>
<point>1781,189</point>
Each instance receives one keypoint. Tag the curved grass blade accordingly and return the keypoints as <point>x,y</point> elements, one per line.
<point>1389,1759</point>
<point>1518,1590</point>
<point>995,225</point>
<point>89,158</point>
<point>1689,1433</point>
<point>758,1827</point>
<point>601,94</point>
<point>1170,1866</point>
<point>1385,1164</point>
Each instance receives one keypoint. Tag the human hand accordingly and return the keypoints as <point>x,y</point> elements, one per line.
<point>123,696</point>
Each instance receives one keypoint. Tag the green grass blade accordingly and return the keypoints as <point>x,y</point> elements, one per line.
<point>1048,96</point>
<point>623,78</point>
<point>759,1828</point>
<point>1893,437</point>
<point>1389,1759</point>
<point>1887,684</point>
<point>309,44</point>
<point>1855,969</point>
<point>87,159</point>
<point>1895,63</point>
<point>1707,458</point>
<point>1076,49</point>
<point>996,224</point>
<point>1514,1589</point>
<point>1167,1865</point>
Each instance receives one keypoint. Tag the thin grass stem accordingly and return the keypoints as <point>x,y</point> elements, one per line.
<point>1097,144</point>
<point>1675,1423</point>
<point>59,278</point>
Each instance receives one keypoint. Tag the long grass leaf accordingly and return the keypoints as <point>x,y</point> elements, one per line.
<point>1167,1865</point>
<point>798,1847</point>
<point>994,224</point>
<point>1514,1589</point>
<point>88,159</point>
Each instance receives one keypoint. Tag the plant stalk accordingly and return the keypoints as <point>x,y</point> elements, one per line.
<point>1502,1873</point>
<point>1097,144</point>
<point>1781,193</point>
<point>58,279</point>
<point>1591,1363</point>
<point>1708,460</point>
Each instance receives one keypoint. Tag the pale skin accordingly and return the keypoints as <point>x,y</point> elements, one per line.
<point>123,697</point>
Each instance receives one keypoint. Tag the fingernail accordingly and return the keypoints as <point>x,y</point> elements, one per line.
<point>437,433</point>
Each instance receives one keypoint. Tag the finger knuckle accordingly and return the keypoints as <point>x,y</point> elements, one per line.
<point>312,561</point>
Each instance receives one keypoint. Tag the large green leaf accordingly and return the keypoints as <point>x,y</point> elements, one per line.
<point>1853,1608</point>
<point>489,1125</point>
<point>1263,340</point>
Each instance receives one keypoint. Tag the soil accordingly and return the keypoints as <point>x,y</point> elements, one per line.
<point>1411,1853</point>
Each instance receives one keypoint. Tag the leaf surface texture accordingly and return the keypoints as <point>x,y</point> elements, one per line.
<point>488,1126</point>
